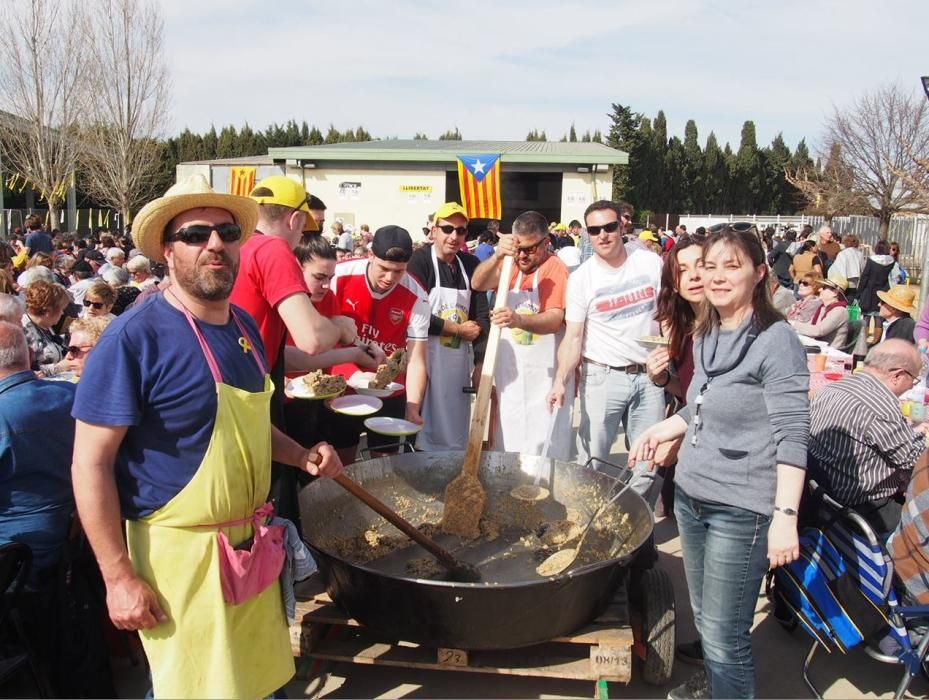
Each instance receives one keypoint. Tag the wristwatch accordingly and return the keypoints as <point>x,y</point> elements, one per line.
<point>786,511</point>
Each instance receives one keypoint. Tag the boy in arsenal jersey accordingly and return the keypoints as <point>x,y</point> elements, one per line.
<point>391,310</point>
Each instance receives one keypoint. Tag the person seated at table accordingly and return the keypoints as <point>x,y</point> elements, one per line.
<point>830,321</point>
<point>806,261</point>
<point>896,307</point>
<point>862,449</point>
<point>804,308</point>
<point>781,296</point>
<point>85,332</point>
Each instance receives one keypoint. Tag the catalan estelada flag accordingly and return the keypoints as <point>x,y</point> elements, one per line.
<point>479,180</point>
<point>241,181</point>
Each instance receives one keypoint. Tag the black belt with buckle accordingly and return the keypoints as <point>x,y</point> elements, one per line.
<point>628,369</point>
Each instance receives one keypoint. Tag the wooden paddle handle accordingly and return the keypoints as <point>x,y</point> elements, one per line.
<point>396,520</point>
<point>480,413</point>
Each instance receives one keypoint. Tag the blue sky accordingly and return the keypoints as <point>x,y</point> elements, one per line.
<point>499,69</point>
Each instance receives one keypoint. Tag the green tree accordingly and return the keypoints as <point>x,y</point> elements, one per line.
<point>748,173</point>
<point>657,174</point>
<point>226,144</point>
<point>536,135</point>
<point>420,136</point>
<point>210,142</point>
<point>572,134</point>
<point>693,172</point>
<point>625,135</point>
<point>782,196</point>
<point>716,174</point>
<point>451,135</point>
<point>315,138</point>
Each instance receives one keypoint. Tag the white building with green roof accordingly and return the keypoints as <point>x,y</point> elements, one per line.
<point>402,182</point>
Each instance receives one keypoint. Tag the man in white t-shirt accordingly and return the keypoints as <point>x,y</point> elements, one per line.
<point>611,301</point>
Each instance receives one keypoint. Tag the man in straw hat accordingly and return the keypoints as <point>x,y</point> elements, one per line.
<point>173,434</point>
<point>897,307</point>
<point>271,288</point>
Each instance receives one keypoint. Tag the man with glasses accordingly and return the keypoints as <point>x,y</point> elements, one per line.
<point>862,448</point>
<point>611,304</point>
<point>457,329</point>
<point>532,322</point>
<point>625,216</point>
<point>171,465</point>
<point>271,288</point>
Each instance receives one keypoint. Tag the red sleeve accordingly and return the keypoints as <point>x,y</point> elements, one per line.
<point>280,272</point>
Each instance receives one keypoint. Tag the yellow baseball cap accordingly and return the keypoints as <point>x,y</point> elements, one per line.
<point>282,190</point>
<point>649,236</point>
<point>450,209</point>
<point>560,227</point>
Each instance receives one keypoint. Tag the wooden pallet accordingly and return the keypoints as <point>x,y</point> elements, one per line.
<point>601,651</point>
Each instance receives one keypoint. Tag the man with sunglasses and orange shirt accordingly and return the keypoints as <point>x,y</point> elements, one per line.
<point>457,329</point>
<point>532,324</point>
<point>611,302</point>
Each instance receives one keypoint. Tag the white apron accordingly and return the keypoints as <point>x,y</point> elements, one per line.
<point>446,408</point>
<point>526,365</point>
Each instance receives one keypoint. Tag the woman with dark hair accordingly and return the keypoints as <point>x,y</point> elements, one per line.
<point>742,464</point>
<point>672,367</point>
<point>806,261</point>
<point>875,277</point>
<point>898,275</point>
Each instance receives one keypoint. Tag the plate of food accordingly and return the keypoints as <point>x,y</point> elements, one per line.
<point>362,382</point>
<point>395,427</point>
<point>315,385</point>
<point>355,405</point>
<point>654,341</point>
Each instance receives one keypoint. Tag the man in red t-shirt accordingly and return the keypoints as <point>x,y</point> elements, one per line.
<point>391,310</point>
<point>270,287</point>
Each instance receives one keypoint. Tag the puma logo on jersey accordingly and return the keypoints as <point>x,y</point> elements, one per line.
<point>351,302</point>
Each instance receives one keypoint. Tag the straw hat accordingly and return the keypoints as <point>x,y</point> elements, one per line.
<point>902,297</point>
<point>148,227</point>
<point>836,282</point>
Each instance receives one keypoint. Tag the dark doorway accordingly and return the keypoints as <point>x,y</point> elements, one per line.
<point>520,192</point>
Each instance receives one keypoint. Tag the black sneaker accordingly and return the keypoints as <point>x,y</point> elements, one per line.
<point>690,652</point>
<point>695,688</point>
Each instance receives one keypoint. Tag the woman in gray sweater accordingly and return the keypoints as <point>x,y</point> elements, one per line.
<point>741,469</point>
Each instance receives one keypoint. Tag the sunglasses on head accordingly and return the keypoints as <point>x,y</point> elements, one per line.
<point>198,234</point>
<point>96,304</point>
<point>448,228</point>
<point>738,227</point>
<point>608,228</point>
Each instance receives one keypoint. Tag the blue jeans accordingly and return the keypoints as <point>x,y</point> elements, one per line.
<point>609,397</point>
<point>725,552</point>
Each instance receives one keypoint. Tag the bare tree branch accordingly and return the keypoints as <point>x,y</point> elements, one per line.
<point>829,189</point>
<point>42,72</point>
<point>128,111</point>
<point>879,137</point>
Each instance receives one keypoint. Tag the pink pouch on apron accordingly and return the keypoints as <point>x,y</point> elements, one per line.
<point>244,573</point>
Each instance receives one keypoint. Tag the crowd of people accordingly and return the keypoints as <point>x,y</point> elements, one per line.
<point>153,364</point>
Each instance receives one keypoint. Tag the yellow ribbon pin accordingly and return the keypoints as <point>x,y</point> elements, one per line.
<point>245,345</point>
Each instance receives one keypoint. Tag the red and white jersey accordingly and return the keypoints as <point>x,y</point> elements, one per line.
<point>389,319</point>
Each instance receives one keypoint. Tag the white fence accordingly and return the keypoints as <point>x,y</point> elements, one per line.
<point>911,232</point>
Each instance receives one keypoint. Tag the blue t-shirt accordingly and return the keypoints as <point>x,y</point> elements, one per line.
<point>148,372</point>
<point>39,242</point>
<point>36,442</point>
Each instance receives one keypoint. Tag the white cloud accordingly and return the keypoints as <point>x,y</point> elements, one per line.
<point>498,69</point>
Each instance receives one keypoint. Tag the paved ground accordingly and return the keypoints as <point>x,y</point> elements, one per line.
<point>778,657</point>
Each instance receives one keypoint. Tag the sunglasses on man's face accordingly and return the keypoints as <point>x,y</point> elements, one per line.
<point>607,228</point>
<point>530,249</point>
<point>198,234</point>
<point>449,229</point>
<point>95,304</point>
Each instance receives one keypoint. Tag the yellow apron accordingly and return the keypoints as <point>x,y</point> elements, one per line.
<point>208,648</point>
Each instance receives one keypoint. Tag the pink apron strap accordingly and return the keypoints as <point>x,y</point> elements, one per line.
<point>208,354</point>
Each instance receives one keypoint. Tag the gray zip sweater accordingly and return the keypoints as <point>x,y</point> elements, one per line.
<point>752,418</point>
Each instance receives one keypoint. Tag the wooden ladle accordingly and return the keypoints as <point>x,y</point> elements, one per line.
<point>465,496</point>
<point>459,570</point>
